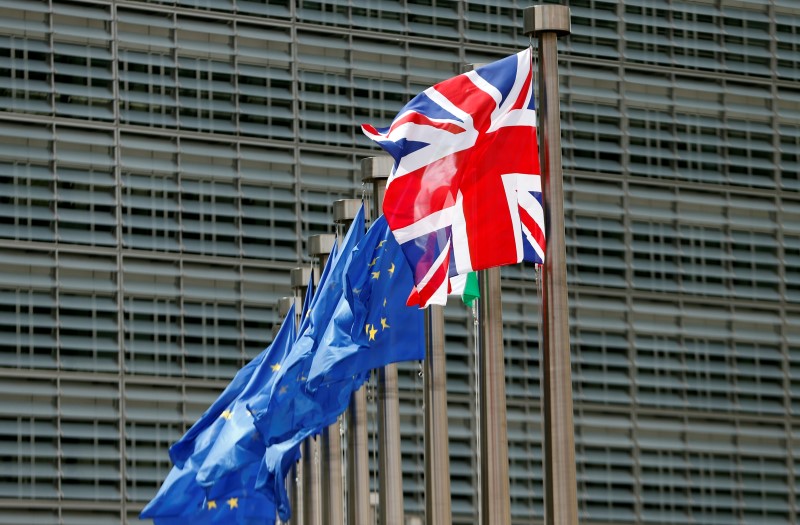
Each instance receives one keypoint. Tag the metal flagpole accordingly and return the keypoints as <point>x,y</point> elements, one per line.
<point>344,211</point>
<point>548,22</point>
<point>318,246</point>
<point>284,303</point>
<point>299,278</point>
<point>495,498</point>
<point>376,170</point>
<point>357,454</point>
<point>437,448</point>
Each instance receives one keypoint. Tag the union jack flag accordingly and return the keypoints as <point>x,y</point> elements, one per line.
<point>465,190</point>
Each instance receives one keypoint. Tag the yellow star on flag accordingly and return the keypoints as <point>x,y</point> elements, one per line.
<point>391,270</point>
<point>384,324</point>
<point>212,504</point>
<point>366,328</point>
<point>233,503</point>
<point>380,244</point>
<point>276,367</point>
<point>283,390</point>
<point>356,291</point>
<point>375,275</point>
<point>384,302</point>
<point>227,414</point>
<point>372,332</point>
<point>375,260</point>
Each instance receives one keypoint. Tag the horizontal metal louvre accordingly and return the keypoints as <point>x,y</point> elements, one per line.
<point>162,164</point>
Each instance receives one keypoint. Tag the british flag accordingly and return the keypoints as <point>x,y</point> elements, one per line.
<point>465,190</point>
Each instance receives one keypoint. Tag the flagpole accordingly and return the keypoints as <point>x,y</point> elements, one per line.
<point>494,492</point>
<point>357,473</point>
<point>437,448</point>
<point>495,497</point>
<point>548,22</point>
<point>316,451</point>
<point>357,454</point>
<point>283,304</point>
<point>300,279</point>
<point>377,170</point>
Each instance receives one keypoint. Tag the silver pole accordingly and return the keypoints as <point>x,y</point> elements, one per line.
<point>495,504</point>
<point>299,278</point>
<point>495,498</point>
<point>284,303</point>
<point>357,453</point>
<point>548,22</point>
<point>315,459</point>
<point>357,460</point>
<point>344,211</point>
<point>437,449</point>
<point>376,170</point>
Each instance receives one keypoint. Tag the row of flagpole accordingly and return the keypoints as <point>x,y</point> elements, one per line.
<point>321,490</point>
<point>318,494</point>
<point>316,486</point>
<point>357,464</point>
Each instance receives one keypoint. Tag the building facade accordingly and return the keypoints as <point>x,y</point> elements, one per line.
<point>163,163</point>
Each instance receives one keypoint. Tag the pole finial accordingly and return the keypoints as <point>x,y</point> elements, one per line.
<point>321,244</point>
<point>373,168</point>
<point>546,18</point>
<point>345,210</point>
<point>299,277</point>
<point>284,303</point>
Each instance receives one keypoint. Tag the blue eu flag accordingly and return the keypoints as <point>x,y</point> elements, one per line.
<point>232,500</point>
<point>382,329</point>
<point>370,327</point>
<point>237,443</point>
<point>287,408</point>
<point>182,449</point>
<point>221,442</point>
<point>278,460</point>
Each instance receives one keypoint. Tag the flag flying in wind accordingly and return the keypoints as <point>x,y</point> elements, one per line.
<point>288,408</point>
<point>237,443</point>
<point>211,420</point>
<point>375,327</point>
<point>221,452</point>
<point>233,500</point>
<point>465,190</point>
<point>278,460</point>
<point>214,418</point>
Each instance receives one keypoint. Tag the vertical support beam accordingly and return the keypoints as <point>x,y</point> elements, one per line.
<point>295,495</point>
<point>437,447</point>
<point>296,499</point>
<point>310,477</point>
<point>344,211</point>
<point>299,279</point>
<point>332,489</point>
<point>495,495</point>
<point>377,170</point>
<point>357,460</point>
<point>548,22</point>
<point>357,453</point>
<point>316,458</point>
